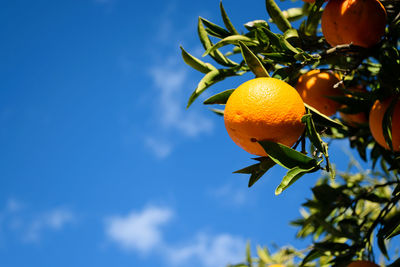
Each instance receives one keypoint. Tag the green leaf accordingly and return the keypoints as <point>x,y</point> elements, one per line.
<point>206,42</point>
<point>233,39</point>
<point>313,18</point>
<point>219,98</point>
<point>292,176</point>
<point>257,170</point>
<point>196,63</point>
<point>286,156</point>
<point>227,21</point>
<point>382,245</point>
<point>387,123</point>
<point>219,112</point>
<point>312,255</point>
<point>209,79</point>
<point>396,231</point>
<point>312,133</point>
<point>331,246</point>
<point>251,25</point>
<point>276,15</point>
<point>293,14</point>
<point>263,254</point>
<point>323,120</point>
<point>253,62</point>
<point>248,255</point>
<point>219,31</point>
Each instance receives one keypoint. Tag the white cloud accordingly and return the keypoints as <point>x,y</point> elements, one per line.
<point>231,195</point>
<point>13,205</point>
<point>139,231</point>
<point>53,220</point>
<point>160,148</point>
<point>29,226</point>
<point>170,79</point>
<point>142,232</point>
<point>209,251</point>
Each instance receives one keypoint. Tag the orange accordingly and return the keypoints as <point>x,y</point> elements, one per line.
<point>375,123</point>
<point>362,264</point>
<point>315,86</point>
<point>264,109</point>
<point>357,118</point>
<point>361,22</point>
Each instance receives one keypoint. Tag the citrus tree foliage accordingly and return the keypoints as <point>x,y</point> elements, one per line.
<point>349,215</point>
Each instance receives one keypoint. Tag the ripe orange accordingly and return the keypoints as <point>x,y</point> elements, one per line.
<point>375,123</point>
<point>315,86</point>
<point>264,109</point>
<point>361,22</point>
<point>358,118</point>
<point>362,264</point>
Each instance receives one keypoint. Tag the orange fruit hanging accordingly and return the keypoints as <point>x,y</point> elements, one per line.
<point>362,264</point>
<point>358,118</point>
<point>375,123</point>
<point>315,86</point>
<point>264,109</point>
<point>361,22</point>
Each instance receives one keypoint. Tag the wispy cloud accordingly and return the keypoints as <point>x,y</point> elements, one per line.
<point>52,220</point>
<point>160,148</point>
<point>170,80</point>
<point>30,226</point>
<point>139,231</point>
<point>142,232</point>
<point>209,251</point>
<point>230,194</point>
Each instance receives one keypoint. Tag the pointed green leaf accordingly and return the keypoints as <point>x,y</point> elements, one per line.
<point>209,79</point>
<point>219,98</point>
<point>265,165</point>
<point>292,176</point>
<point>276,15</point>
<point>196,63</point>
<point>396,231</point>
<point>323,120</point>
<point>253,62</point>
<point>286,156</point>
<point>219,112</point>
<point>259,23</point>
<point>248,255</point>
<point>313,18</point>
<point>312,133</point>
<point>263,255</point>
<point>312,255</point>
<point>216,55</point>
<point>226,20</point>
<point>233,39</point>
<point>293,14</point>
<point>382,246</point>
<point>387,123</point>
<point>218,30</point>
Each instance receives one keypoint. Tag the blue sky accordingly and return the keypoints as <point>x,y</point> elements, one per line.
<point>100,163</point>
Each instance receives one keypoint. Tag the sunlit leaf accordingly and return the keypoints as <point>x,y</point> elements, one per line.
<point>216,55</point>
<point>287,157</point>
<point>196,63</point>
<point>227,21</point>
<point>253,62</point>
<point>292,176</point>
<point>276,15</point>
<point>233,39</point>
<point>209,79</point>
<point>219,31</point>
<point>219,98</point>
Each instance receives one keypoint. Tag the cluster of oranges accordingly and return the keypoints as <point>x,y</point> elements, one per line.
<point>270,109</point>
